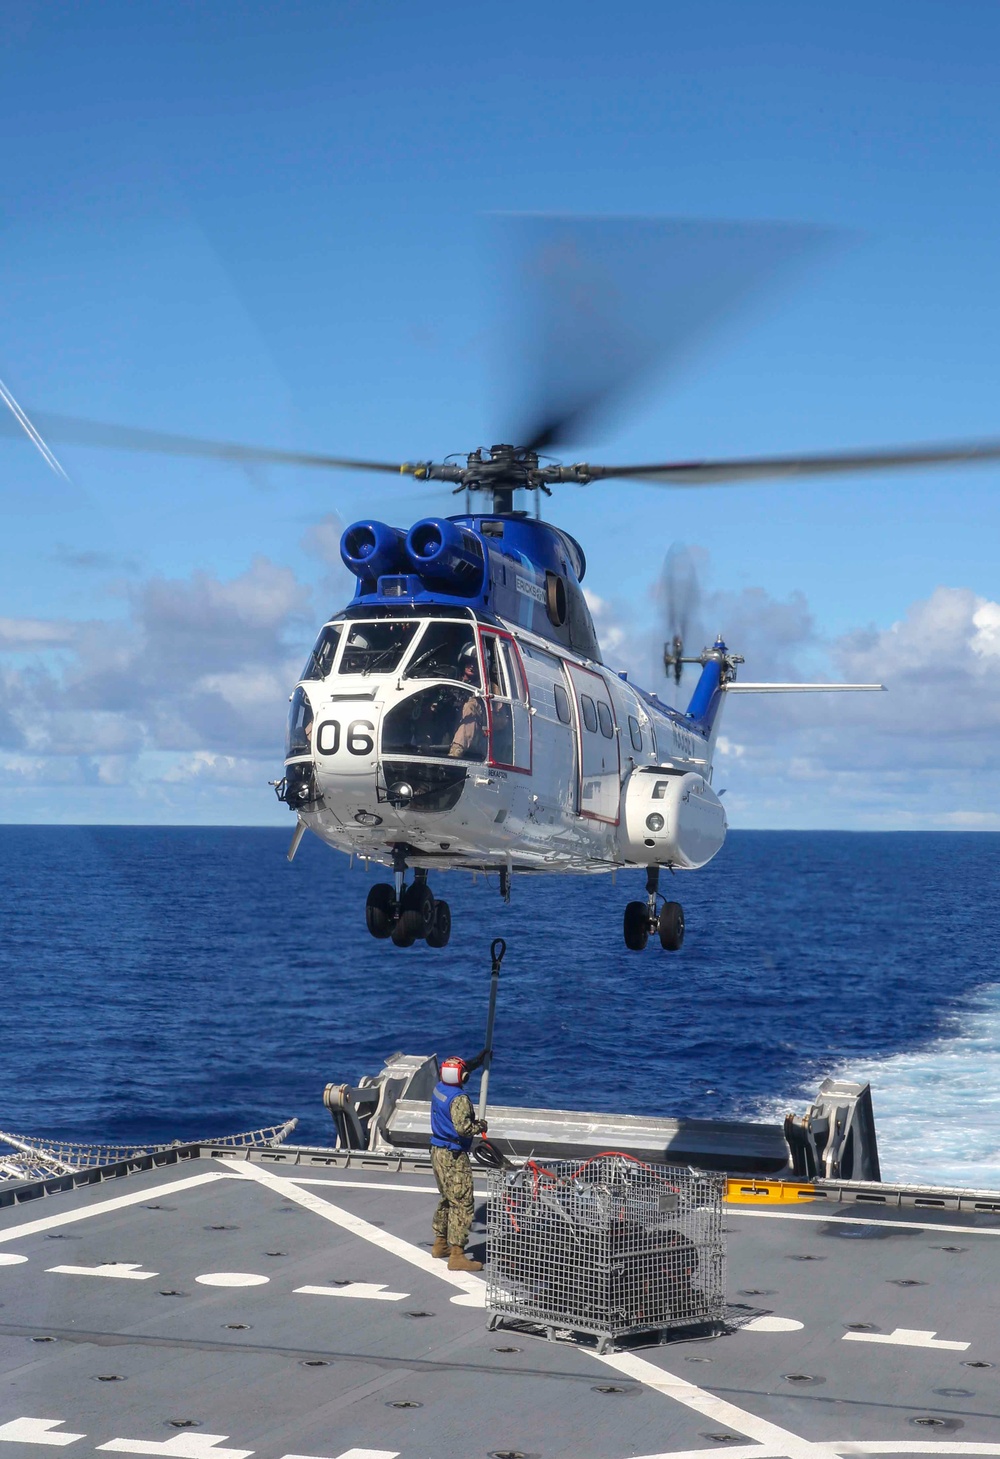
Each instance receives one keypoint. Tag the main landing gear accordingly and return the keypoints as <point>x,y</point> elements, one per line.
<point>407,913</point>
<point>642,918</point>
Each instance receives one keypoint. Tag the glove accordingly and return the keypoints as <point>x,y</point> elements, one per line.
<point>483,1126</point>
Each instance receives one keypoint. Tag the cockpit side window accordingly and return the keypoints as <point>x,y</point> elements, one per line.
<point>320,661</point>
<point>298,740</point>
<point>444,722</point>
<point>376,648</point>
<point>447,651</point>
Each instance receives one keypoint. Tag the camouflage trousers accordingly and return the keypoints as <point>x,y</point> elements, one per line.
<point>453,1173</point>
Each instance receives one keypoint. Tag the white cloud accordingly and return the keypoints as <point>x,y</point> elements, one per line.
<point>927,753</point>
<point>191,689</point>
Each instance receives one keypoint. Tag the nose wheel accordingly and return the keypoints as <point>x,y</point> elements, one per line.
<point>643,920</point>
<point>412,914</point>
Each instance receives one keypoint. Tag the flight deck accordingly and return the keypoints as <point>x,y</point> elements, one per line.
<point>284,1303</point>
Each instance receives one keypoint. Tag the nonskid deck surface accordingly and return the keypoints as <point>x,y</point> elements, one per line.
<point>228,1309</point>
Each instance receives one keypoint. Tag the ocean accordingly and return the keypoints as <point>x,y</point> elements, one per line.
<point>161,983</point>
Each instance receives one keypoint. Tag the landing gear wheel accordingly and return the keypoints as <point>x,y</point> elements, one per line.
<point>441,930</point>
<point>671,926</point>
<point>636,926</point>
<point>380,909</point>
<point>418,903</point>
<point>407,929</point>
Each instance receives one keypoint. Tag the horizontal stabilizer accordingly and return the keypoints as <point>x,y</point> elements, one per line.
<point>803,688</point>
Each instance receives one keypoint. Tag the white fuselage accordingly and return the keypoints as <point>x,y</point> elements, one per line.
<point>536,760</point>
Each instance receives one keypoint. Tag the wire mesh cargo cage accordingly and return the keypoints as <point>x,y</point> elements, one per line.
<point>612,1247</point>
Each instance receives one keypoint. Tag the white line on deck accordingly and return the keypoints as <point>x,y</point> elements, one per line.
<point>845,1447</point>
<point>374,1291</point>
<point>184,1446</point>
<point>731,1209</point>
<point>36,1431</point>
<point>126,1270</point>
<point>906,1337</point>
<point>872,1220</point>
<point>351,1454</point>
<point>783,1442</point>
<point>470,1286</point>
<point>100,1208</point>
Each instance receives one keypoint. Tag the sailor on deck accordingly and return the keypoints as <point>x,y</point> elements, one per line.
<point>453,1126</point>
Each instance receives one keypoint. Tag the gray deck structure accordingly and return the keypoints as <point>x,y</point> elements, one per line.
<point>286,1304</point>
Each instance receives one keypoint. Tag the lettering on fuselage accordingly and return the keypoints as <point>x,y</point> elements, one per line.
<point>685,743</point>
<point>497,774</point>
<point>529,589</point>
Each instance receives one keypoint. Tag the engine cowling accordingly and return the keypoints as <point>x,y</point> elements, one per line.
<point>447,555</point>
<point>671,818</point>
<point>371,549</point>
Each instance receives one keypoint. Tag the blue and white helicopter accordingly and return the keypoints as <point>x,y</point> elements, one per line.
<point>457,713</point>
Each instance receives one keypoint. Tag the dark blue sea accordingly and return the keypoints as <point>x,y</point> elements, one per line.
<point>166,983</point>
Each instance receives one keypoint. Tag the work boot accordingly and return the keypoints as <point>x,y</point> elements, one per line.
<point>459,1262</point>
<point>440,1247</point>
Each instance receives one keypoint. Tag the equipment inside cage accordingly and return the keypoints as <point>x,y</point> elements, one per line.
<point>613,1247</point>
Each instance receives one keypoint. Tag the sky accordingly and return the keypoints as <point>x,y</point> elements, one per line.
<point>272,224</point>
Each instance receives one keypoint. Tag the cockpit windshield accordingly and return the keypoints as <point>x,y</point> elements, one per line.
<point>298,739</point>
<point>447,651</point>
<point>320,661</point>
<point>376,648</point>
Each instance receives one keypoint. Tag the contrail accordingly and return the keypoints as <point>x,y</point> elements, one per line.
<point>31,432</point>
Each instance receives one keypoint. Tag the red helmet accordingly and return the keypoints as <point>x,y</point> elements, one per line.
<point>454,1071</point>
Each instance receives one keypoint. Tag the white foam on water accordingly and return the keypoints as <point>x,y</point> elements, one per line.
<point>937,1109</point>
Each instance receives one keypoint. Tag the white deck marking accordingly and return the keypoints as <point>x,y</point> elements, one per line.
<point>374,1291</point>
<point>395,1244</point>
<point>783,1442</point>
<point>351,1454</point>
<point>372,1185</point>
<point>10,1258</point>
<point>184,1446</point>
<point>846,1447</point>
<point>232,1279</point>
<point>130,1271</point>
<point>872,1220</point>
<point>117,1203</point>
<point>906,1337</point>
<point>797,1214</point>
<point>770,1323</point>
<point>917,1446</point>
<point>36,1431</point>
<point>779,1441</point>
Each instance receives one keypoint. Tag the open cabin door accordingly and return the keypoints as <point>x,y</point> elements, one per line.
<point>507,701</point>
<point>597,736</point>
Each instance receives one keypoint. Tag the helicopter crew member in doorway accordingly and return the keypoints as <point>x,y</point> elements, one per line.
<point>453,1125</point>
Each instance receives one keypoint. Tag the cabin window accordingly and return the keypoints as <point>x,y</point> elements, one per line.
<point>635,732</point>
<point>494,673</point>
<point>320,661</point>
<point>589,713</point>
<point>447,651</point>
<point>376,648</point>
<point>445,722</point>
<point>298,739</point>
<point>607,723</point>
<point>562,704</point>
<point>515,681</point>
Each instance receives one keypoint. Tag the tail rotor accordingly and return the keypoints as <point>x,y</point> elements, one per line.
<point>680,596</point>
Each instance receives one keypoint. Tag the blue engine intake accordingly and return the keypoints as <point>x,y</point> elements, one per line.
<point>371,550</point>
<point>447,555</point>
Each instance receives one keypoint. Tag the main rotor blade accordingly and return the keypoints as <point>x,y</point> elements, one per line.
<point>592,307</point>
<point>775,468</point>
<point>131,438</point>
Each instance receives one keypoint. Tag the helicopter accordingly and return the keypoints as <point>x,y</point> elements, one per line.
<point>457,714</point>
